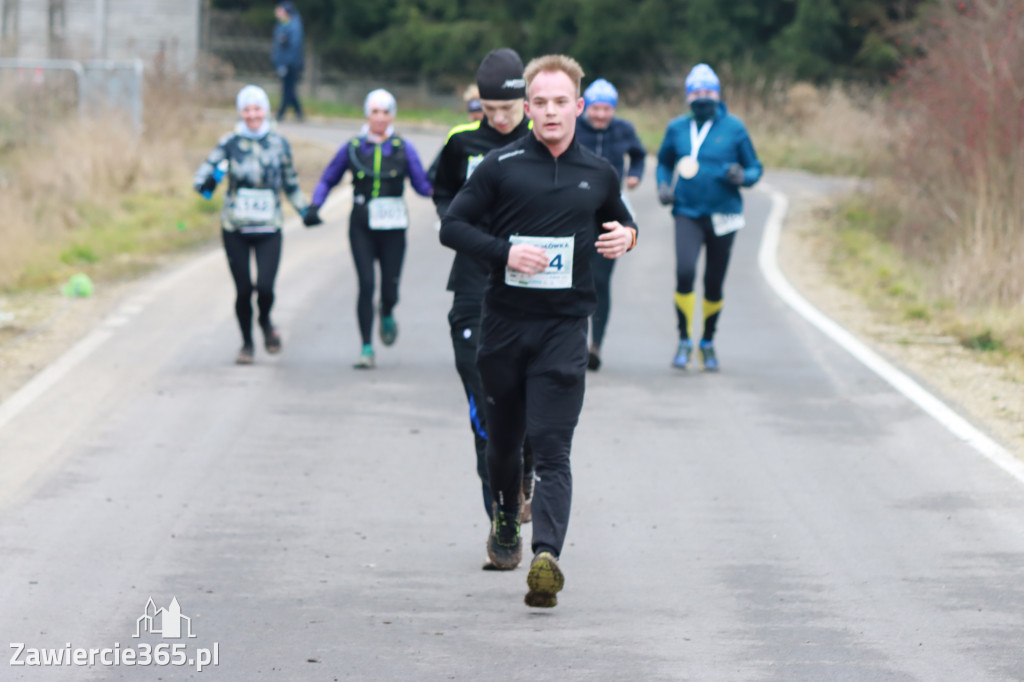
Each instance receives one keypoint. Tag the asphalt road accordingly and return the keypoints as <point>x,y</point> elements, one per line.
<point>790,518</point>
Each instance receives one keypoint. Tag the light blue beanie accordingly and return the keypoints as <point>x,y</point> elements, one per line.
<point>601,91</point>
<point>702,77</point>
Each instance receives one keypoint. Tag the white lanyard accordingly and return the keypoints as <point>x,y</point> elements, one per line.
<point>697,139</point>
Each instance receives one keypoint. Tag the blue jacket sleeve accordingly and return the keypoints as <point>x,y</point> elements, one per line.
<point>667,156</point>
<point>417,176</point>
<point>331,176</point>
<point>637,154</point>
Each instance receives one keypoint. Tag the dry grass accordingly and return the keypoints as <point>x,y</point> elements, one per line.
<point>90,195</point>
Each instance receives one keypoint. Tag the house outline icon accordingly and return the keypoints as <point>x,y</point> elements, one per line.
<point>169,619</point>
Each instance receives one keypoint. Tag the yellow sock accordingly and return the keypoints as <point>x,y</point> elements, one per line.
<point>711,307</point>
<point>686,303</point>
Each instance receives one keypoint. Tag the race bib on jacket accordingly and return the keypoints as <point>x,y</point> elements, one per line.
<point>388,213</point>
<point>254,206</point>
<point>558,274</point>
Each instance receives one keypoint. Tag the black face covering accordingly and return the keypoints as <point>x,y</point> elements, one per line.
<point>703,109</point>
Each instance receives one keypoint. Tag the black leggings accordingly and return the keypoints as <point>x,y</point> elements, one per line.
<point>601,267</point>
<point>533,372</point>
<point>691,235</point>
<point>267,247</point>
<point>385,246</point>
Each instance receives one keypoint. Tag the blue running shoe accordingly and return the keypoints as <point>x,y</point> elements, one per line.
<point>707,354</point>
<point>388,329</point>
<point>682,358</point>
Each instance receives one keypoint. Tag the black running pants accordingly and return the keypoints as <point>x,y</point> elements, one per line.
<point>239,247</point>
<point>533,373</point>
<point>384,246</point>
<point>693,234</point>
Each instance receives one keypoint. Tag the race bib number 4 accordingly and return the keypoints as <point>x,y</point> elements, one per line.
<point>388,213</point>
<point>724,223</point>
<point>558,274</point>
<point>254,206</point>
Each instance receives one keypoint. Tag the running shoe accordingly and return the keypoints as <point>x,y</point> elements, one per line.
<point>707,354</point>
<point>545,580</point>
<point>504,545</point>
<point>271,340</point>
<point>366,359</point>
<point>682,358</point>
<point>594,358</point>
<point>388,329</point>
<point>244,355</point>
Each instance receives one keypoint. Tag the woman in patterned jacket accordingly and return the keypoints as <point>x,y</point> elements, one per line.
<point>258,164</point>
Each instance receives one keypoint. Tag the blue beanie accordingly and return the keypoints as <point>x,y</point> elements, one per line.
<point>702,77</point>
<point>601,91</point>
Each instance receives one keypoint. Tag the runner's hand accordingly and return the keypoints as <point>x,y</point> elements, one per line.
<point>312,216</point>
<point>665,194</point>
<point>735,174</point>
<point>209,184</point>
<point>616,241</point>
<point>632,181</point>
<point>527,259</point>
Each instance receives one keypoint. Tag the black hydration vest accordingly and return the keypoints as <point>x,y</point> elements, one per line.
<point>375,175</point>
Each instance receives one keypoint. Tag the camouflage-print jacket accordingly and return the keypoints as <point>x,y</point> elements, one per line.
<point>258,172</point>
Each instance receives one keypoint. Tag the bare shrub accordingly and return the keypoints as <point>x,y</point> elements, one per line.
<point>961,109</point>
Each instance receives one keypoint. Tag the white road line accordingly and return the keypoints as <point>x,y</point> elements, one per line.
<point>934,407</point>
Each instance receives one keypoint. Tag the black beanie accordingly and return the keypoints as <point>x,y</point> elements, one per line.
<point>500,75</point>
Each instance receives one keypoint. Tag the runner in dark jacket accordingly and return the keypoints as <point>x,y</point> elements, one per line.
<point>600,131</point>
<point>535,210</point>
<point>463,151</point>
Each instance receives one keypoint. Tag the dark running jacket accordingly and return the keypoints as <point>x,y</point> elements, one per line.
<point>526,191</point>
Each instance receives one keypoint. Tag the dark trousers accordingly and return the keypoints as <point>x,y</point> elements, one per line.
<point>601,268</point>
<point>368,246</point>
<point>239,247</point>
<point>693,234</point>
<point>290,93</point>
<point>464,323</point>
<point>533,372</point>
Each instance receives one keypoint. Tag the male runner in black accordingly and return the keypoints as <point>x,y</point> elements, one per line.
<point>502,90</point>
<point>532,210</point>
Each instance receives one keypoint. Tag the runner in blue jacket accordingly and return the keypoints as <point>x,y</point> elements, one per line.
<point>710,152</point>
<point>600,131</point>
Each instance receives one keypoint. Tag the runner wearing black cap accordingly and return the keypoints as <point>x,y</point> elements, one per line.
<point>463,150</point>
<point>531,210</point>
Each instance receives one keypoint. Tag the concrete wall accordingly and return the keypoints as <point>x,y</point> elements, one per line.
<point>164,31</point>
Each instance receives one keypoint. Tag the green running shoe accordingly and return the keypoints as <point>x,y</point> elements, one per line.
<point>545,580</point>
<point>388,329</point>
<point>504,544</point>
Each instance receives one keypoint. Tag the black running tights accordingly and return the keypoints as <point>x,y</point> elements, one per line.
<point>388,248</point>
<point>239,247</point>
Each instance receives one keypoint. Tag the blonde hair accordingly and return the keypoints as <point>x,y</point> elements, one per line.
<point>554,62</point>
<point>471,92</point>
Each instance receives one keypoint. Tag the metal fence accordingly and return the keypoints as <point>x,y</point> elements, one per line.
<point>36,91</point>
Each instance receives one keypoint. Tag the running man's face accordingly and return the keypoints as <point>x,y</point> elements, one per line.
<point>503,114</point>
<point>553,106</point>
<point>379,120</point>
<point>600,115</point>
<point>254,115</point>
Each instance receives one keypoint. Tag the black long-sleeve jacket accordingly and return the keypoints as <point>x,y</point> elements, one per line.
<point>464,149</point>
<point>525,191</point>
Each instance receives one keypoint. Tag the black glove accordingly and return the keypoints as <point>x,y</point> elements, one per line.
<point>735,174</point>
<point>312,216</point>
<point>209,184</point>
<point>665,194</point>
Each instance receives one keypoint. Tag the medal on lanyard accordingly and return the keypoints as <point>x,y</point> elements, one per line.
<point>688,165</point>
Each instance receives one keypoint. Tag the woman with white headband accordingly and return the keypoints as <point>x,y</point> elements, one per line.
<point>258,164</point>
<point>710,155</point>
<point>379,161</point>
